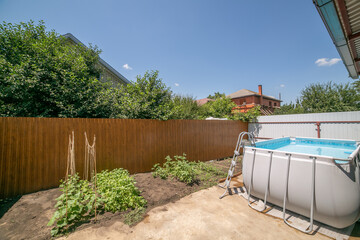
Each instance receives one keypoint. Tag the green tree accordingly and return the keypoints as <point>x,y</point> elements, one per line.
<point>329,97</point>
<point>356,85</point>
<point>184,107</point>
<point>147,98</point>
<point>42,76</point>
<point>325,97</point>
<point>216,95</point>
<point>291,108</point>
<point>220,108</point>
<point>248,116</point>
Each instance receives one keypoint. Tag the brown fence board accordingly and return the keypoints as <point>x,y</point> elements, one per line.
<point>33,151</point>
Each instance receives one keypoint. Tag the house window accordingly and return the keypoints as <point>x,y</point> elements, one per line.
<point>274,104</point>
<point>269,103</point>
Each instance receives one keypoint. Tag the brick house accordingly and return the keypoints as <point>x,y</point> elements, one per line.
<point>246,99</point>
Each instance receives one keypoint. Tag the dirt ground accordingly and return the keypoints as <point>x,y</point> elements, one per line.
<point>26,217</point>
<point>201,215</point>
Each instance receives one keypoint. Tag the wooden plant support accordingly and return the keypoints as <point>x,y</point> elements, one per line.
<point>70,166</point>
<point>90,163</point>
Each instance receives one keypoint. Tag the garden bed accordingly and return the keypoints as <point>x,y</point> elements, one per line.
<point>27,217</point>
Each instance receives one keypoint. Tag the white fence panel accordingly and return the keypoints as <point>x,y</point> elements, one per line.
<point>280,125</point>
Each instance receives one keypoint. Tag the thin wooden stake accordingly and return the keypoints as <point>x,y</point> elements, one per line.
<point>90,160</point>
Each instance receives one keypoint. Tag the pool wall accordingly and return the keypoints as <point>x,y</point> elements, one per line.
<point>337,189</point>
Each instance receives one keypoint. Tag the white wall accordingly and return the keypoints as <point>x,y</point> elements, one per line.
<point>328,130</point>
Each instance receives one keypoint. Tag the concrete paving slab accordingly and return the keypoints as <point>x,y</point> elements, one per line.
<point>201,215</point>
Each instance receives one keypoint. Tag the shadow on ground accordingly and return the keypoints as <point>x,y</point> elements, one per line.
<point>6,204</point>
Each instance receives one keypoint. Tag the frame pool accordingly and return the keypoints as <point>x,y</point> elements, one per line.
<point>318,187</point>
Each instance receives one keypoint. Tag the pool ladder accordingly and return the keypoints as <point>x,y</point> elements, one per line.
<point>240,144</point>
<point>310,227</point>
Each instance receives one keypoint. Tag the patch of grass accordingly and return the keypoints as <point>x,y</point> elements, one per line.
<point>134,216</point>
<point>188,172</point>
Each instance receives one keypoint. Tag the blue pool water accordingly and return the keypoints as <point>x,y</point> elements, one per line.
<point>337,149</point>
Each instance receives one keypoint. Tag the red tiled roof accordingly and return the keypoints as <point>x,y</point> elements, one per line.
<point>201,102</point>
<point>246,92</point>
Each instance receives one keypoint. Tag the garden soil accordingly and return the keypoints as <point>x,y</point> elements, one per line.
<point>26,217</point>
<point>175,211</point>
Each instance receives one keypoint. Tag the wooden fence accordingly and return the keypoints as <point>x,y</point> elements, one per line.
<point>33,151</point>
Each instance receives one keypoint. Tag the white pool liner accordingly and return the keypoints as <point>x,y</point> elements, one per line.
<point>297,219</point>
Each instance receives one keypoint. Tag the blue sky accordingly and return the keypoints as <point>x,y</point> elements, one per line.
<point>199,46</point>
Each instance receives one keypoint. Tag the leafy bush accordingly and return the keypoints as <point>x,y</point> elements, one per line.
<point>117,190</point>
<point>219,108</point>
<point>325,97</point>
<point>146,98</point>
<point>41,75</point>
<point>248,116</point>
<point>216,95</point>
<point>179,168</point>
<point>185,171</point>
<point>184,107</point>
<point>77,203</point>
<point>160,172</point>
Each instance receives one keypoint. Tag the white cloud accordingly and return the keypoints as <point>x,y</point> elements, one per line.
<point>327,61</point>
<point>176,84</point>
<point>127,67</point>
<point>282,85</point>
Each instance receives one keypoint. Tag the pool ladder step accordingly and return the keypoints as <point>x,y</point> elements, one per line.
<point>240,144</point>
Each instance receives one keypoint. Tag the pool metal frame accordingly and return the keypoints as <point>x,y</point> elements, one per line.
<point>308,229</point>
<point>352,157</point>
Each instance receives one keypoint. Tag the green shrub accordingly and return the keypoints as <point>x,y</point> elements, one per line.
<point>220,108</point>
<point>117,190</point>
<point>185,171</point>
<point>160,172</point>
<point>77,203</point>
<point>178,168</point>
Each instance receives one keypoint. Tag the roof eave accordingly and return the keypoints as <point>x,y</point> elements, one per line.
<point>264,96</point>
<point>328,12</point>
<point>101,61</point>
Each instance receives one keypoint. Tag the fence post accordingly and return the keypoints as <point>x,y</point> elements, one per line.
<point>318,129</point>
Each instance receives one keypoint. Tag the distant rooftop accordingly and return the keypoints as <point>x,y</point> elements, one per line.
<point>202,101</point>
<point>101,61</point>
<point>246,92</point>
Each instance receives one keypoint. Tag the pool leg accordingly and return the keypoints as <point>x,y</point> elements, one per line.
<point>267,185</point>
<point>310,227</point>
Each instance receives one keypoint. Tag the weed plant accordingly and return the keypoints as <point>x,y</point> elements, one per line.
<point>186,171</point>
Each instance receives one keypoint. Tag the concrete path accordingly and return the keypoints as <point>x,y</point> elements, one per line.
<point>201,215</point>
